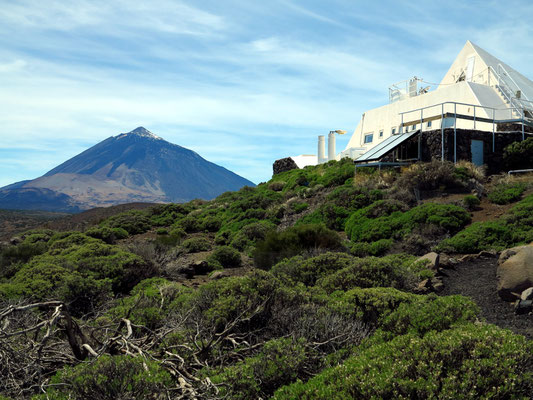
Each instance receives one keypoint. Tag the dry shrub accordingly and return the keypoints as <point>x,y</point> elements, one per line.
<point>478,172</point>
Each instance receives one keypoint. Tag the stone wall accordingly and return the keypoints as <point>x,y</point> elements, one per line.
<point>431,145</point>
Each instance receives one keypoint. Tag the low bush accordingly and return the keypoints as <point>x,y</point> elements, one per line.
<point>471,202</point>
<point>341,202</point>
<point>469,362</point>
<point>506,193</point>
<point>512,229</point>
<point>433,175</point>
<point>226,257</point>
<point>299,206</point>
<point>150,302</point>
<point>293,241</point>
<point>251,233</point>
<point>134,222</point>
<point>110,378</point>
<point>341,271</point>
<point>280,362</point>
<point>377,248</point>
<point>519,155</point>
<point>80,270</point>
<point>196,244</point>
<point>168,214</point>
<point>399,271</point>
<point>108,235</point>
<point>479,236</point>
<point>381,220</point>
<point>170,237</point>
<point>370,305</point>
<point>429,313</point>
<point>13,257</point>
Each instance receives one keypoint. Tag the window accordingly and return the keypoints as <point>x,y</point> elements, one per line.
<point>414,127</point>
<point>369,137</point>
<point>429,124</point>
<point>381,133</point>
<point>393,131</point>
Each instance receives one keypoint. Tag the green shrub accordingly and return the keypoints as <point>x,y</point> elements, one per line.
<point>150,302</point>
<point>471,202</point>
<point>293,241</point>
<point>251,233</point>
<point>299,206</point>
<point>134,222</point>
<point>506,193</point>
<point>218,303</point>
<point>308,271</point>
<point>370,305</point>
<point>341,202</point>
<point>340,271</point>
<point>108,235</point>
<point>332,173</point>
<point>469,362</point>
<point>512,229</point>
<point>168,214</point>
<point>196,244</point>
<point>377,248</point>
<point>280,362</point>
<point>13,257</point>
<point>381,221</point>
<point>479,236</point>
<point>110,378</point>
<point>519,155</point>
<point>226,256</point>
<point>398,271</point>
<point>433,313</point>
<point>330,215</point>
<point>80,270</point>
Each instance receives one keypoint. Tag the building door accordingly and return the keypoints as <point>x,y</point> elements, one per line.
<point>477,152</point>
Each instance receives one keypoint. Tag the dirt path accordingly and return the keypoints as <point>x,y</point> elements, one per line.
<point>477,280</point>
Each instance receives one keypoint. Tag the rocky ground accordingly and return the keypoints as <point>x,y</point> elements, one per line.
<point>477,279</point>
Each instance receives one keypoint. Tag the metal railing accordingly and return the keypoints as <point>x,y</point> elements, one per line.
<point>509,89</point>
<point>475,117</point>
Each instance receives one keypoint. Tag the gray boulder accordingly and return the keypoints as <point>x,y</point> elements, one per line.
<point>433,259</point>
<point>515,272</point>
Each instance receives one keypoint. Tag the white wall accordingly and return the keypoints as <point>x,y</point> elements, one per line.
<point>387,117</point>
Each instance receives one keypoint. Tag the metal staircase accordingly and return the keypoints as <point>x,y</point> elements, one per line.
<point>520,105</point>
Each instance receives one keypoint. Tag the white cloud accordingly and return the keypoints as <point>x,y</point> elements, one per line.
<point>111,17</point>
<point>12,66</point>
<point>240,83</point>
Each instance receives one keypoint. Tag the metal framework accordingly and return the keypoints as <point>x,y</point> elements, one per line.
<point>475,118</point>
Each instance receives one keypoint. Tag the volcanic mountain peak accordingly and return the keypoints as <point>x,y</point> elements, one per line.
<point>140,131</point>
<point>137,166</point>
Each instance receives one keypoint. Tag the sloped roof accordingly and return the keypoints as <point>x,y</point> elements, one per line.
<point>486,60</point>
<point>389,144</point>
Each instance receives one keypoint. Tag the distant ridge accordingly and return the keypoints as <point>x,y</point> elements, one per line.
<point>136,166</point>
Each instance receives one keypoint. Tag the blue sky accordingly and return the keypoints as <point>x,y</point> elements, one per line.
<point>242,83</point>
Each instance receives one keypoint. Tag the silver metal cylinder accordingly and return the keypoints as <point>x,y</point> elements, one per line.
<point>331,146</point>
<point>321,149</point>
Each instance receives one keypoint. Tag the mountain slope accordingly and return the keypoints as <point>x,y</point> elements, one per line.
<point>137,166</point>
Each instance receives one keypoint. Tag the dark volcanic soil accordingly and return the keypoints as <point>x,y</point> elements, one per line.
<point>477,280</point>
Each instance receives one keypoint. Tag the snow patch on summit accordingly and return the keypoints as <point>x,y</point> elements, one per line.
<point>140,131</point>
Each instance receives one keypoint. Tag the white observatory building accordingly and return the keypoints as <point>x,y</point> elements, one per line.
<point>479,93</point>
